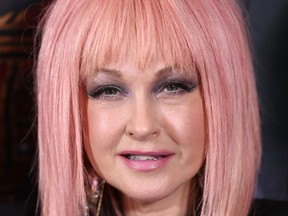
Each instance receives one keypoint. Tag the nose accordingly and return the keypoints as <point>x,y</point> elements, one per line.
<point>143,120</point>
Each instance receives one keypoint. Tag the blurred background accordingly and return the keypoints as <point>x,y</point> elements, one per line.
<point>268,26</point>
<point>18,188</point>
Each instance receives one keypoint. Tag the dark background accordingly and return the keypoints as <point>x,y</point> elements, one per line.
<point>18,188</point>
<point>268,26</point>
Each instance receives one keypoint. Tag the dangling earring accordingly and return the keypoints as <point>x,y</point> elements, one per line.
<point>94,187</point>
<point>100,198</point>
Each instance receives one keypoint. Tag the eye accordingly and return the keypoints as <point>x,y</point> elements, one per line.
<point>176,88</point>
<point>173,87</point>
<point>107,93</point>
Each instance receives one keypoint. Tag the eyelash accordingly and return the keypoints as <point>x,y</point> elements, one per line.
<point>182,87</point>
<point>102,92</point>
<point>111,92</point>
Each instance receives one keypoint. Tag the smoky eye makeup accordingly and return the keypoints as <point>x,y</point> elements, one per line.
<point>106,92</point>
<point>175,85</point>
<point>109,86</point>
<point>105,84</point>
<point>104,89</point>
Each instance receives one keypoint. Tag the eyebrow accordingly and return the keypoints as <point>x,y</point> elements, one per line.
<point>113,72</point>
<point>162,72</point>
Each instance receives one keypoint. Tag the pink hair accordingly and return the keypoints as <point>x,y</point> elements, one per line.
<point>79,36</point>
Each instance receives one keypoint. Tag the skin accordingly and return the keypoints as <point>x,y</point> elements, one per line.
<point>155,109</point>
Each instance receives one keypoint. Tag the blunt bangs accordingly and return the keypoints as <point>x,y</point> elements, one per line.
<point>141,34</point>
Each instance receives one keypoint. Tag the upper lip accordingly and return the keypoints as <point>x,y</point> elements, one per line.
<point>147,153</point>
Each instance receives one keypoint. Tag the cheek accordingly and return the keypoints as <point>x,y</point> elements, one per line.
<point>186,127</point>
<point>98,123</point>
<point>104,124</point>
<point>193,128</point>
<point>103,132</point>
<point>191,135</point>
<point>190,125</point>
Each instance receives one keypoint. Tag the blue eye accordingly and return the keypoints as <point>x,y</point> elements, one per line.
<point>106,93</point>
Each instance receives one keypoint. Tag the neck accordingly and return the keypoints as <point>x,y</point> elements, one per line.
<point>174,204</point>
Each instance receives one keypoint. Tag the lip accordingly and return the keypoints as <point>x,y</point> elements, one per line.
<point>146,165</point>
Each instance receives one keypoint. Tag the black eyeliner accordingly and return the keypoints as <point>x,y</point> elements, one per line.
<point>97,91</point>
<point>187,85</point>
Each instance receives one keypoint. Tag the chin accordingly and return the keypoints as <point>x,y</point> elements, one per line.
<point>145,197</point>
<point>150,192</point>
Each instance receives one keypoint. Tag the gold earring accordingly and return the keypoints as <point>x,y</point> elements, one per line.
<point>100,198</point>
<point>94,188</point>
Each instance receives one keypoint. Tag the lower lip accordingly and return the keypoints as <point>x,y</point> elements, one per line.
<point>146,165</point>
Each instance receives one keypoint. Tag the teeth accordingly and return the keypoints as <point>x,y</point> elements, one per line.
<point>143,157</point>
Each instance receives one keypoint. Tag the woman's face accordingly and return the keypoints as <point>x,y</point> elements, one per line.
<point>145,128</point>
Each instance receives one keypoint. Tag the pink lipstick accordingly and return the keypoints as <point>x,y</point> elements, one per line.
<point>145,161</point>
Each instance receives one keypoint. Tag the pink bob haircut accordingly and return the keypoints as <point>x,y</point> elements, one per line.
<point>209,36</point>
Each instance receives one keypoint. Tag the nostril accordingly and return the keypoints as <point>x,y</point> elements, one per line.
<point>155,133</point>
<point>130,134</point>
